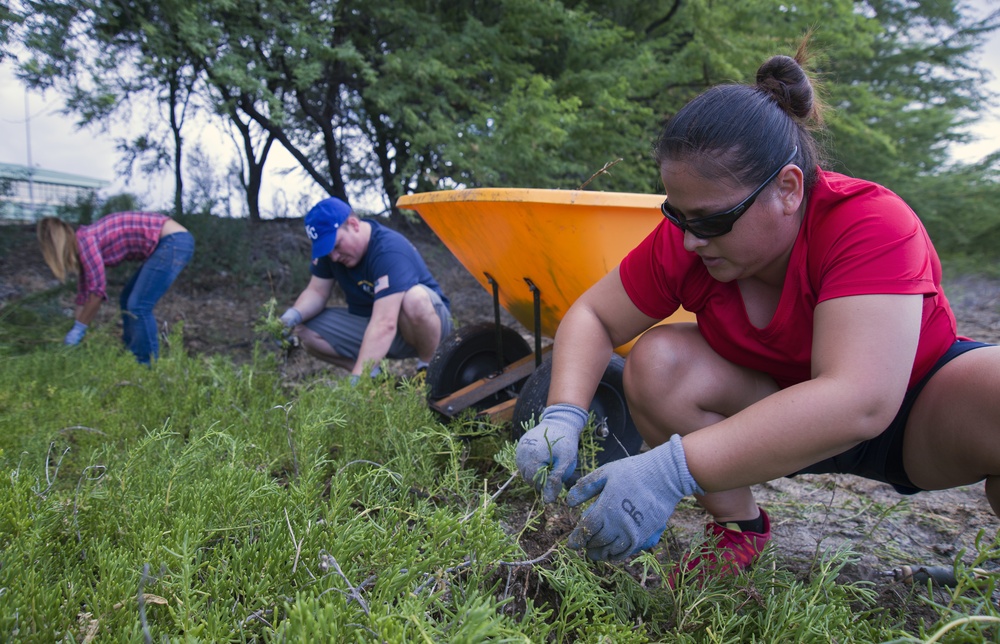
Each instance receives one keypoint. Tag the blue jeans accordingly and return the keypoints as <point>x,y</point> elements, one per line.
<point>145,289</point>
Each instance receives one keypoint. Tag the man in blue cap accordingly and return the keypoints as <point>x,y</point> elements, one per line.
<point>395,308</point>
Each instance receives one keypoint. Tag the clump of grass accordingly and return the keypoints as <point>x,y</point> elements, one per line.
<point>33,321</point>
<point>966,611</point>
<point>270,326</point>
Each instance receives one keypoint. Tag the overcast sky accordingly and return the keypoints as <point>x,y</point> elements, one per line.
<point>56,144</point>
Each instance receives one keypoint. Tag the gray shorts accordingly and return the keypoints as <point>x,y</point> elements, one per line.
<point>344,331</point>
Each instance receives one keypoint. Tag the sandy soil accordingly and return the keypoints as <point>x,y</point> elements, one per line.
<point>810,514</point>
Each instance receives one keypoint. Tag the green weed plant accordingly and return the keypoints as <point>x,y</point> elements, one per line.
<point>200,500</point>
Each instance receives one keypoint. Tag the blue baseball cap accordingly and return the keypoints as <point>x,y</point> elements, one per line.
<point>322,223</point>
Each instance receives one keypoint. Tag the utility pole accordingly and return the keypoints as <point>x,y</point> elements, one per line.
<point>31,168</point>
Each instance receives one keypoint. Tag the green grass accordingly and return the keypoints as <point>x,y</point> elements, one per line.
<point>199,500</point>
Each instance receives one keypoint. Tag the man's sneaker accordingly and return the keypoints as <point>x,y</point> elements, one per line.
<point>726,551</point>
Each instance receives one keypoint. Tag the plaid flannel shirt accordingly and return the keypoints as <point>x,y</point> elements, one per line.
<point>111,240</point>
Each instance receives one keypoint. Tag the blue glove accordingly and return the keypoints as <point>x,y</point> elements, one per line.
<point>555,442</point>
<point>291,318</point>
<point>75,334</point>
<point>637,496</point>
<point>354,379</point>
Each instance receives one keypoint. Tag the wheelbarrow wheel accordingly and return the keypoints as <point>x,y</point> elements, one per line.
<point>469,354</point>
<point>615,432</point>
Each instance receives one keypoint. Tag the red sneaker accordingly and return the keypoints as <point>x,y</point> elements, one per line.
<point>726,551</point>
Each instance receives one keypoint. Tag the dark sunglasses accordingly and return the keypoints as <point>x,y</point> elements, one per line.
<point>721,222</point>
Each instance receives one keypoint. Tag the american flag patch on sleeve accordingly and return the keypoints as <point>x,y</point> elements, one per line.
<point>382,283</point>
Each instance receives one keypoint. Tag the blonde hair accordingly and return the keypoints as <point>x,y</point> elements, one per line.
<point>58,241</point>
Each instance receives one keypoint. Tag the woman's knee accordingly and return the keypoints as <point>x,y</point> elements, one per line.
<point>672,372</point>
<point>138,308</point>
<point>661,355</point>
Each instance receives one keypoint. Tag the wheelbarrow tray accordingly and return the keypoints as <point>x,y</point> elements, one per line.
<point>561,241</point>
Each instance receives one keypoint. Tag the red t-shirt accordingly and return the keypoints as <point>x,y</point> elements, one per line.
<point>857,238</point>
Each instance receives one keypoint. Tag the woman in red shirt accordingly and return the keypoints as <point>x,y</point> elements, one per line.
<point>823,342</point>
<point>162,245</point>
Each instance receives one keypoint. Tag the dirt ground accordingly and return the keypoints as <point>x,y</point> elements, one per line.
<point>810,514</point>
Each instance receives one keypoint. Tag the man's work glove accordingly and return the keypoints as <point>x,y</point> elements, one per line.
<point>291,318</point>
<point>637,496</point>
<point>555,442</point>
<point>75,335</point>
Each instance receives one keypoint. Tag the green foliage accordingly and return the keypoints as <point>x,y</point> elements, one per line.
<point>81,211</point>
<point>904,89</point>
<point>8,18</point>
<point>121,202</point>
<point>223,248</point>
<point>110,58</point>
<point>958,207</point>
<point>813,609</point>
<point>271,326</point>
<point>960,609</point>
<point>32,321</point>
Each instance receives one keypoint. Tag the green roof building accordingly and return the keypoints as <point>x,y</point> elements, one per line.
<point>28,194</point>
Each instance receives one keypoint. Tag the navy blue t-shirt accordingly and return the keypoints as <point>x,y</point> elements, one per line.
<point>390,265</point>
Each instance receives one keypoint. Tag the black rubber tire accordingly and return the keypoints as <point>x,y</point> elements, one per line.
<point>609,406</point>
<point>469,354</point>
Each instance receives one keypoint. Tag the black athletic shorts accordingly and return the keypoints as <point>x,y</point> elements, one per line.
<point>881,458</point>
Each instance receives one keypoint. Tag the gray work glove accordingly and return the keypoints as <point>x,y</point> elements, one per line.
<point>75,335</point>
<point>355,378</point>
<point>291,318</point>
<point>637,496</point>
<point>555,442</point>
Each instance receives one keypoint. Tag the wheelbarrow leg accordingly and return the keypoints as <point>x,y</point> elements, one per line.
<point>536,296</point>
<point>496,318</point>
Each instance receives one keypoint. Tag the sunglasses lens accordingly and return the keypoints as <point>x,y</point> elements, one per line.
<point>712,228</point>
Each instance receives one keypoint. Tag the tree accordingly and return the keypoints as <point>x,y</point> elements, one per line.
<point>899,76</point>
<point>395,96</point>
<point>902,99</point>
<point>901,102</point>
<point>251,164</point>
<point>9,20</point>
<point>515,93</point>
<point>959,208</point>
<point>107,58</point>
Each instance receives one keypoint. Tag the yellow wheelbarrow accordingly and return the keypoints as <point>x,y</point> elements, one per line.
<point>536,251</point>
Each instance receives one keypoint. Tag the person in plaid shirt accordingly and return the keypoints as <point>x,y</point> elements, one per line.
<point>162,245</point>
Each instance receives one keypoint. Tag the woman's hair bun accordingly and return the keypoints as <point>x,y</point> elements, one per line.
<point>784,80</point>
